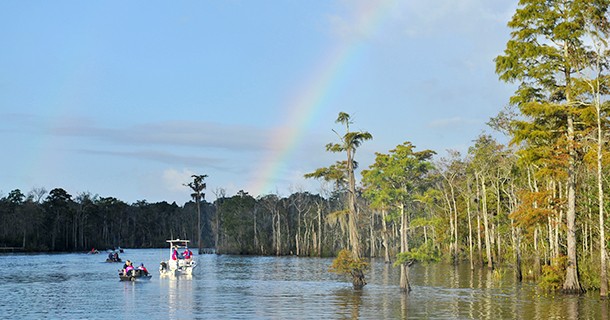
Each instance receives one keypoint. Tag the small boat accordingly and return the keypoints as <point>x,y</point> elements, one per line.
<point>135,275</point>
<point>180,260</point>
<point>113,257</point>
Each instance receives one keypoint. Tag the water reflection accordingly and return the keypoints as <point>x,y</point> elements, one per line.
<point>349,302</point>
<point>235,287</point>
<point>180,302</point>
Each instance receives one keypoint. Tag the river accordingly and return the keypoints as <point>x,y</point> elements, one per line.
<point>84,286</point>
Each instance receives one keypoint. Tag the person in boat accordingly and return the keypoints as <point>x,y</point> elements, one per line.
<point>188,254</point>
<point>115,257</point>
<point>143,269</point>
<point>93,251</point>
<point>127,268</point>
<point>175,255</point>
<point>111,256</point>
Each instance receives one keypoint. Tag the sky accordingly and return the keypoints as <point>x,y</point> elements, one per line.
<point>129,99</point>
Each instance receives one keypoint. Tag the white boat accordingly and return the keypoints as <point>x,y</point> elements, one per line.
<point>181,260</point>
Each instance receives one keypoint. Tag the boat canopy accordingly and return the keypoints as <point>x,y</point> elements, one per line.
<point>177,241</point>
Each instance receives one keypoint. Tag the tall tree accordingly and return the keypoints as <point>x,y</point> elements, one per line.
<point>407,173</point>
<point>376,189</point>
<point>349,142</point>
<point>485,158</point>
<point>595,85</point>
<point>544,53</point>
<point>58,206</point>
<point>398,180</point>
<point>197,186</point>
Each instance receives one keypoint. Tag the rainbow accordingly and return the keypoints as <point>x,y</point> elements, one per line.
<point>306,105</point>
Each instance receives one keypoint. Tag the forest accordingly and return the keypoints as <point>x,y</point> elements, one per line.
<point>537,205</point>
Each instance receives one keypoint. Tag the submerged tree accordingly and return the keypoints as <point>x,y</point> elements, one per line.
<point>197,185</point>
<point>349,142</point>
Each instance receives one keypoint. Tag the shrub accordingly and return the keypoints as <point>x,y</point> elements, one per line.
<point>553,275</point>
<point>345,264</point>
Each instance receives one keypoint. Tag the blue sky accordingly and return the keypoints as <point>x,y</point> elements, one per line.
<point>130,98</point>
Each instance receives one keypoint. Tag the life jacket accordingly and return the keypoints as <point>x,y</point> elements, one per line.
<point>129,268</point>
<point>175,255</point>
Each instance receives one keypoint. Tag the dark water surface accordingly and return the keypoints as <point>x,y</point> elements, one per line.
<point>83,286</point>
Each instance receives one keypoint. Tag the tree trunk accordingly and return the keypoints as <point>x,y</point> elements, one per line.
<point>372,236</point>
<point>199,245</point>
<point>255,231</point>
<point>405,286</point>
<point>479,245</point>
<point>278,236</point>
<point>319,230</point>
<point>571,283</point>
<point>486,224</point>
<point>351,202</point>
<point>455,236</point>
<point>358,280</point>
<point>298,234</point>
<point>603,287</point>
<point>384,236</point>
<point>470,247</point>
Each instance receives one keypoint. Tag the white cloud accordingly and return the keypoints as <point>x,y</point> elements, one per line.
<point>174,180</point>
<point>419,18</point>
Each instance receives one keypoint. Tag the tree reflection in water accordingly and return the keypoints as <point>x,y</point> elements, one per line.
<point>350,301</point>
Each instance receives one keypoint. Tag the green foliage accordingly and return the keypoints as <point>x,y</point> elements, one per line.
<point>335,173</point>
<point>345,264</point>
<point>553,275</point>
<point>424,254</point>
<point>198,186</point>
<point>589,273</point>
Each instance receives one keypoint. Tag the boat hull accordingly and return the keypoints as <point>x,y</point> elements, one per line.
<point>135,276</point>
<point>177,267</point>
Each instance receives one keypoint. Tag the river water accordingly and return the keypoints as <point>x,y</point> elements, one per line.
<point>84,286</point>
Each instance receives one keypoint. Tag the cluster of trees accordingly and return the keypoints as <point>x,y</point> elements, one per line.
<point>538,204</point>
<point>57,221</point>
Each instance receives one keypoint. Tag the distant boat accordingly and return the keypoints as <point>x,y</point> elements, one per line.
<point>180,262</point>
<point>113,257</point>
